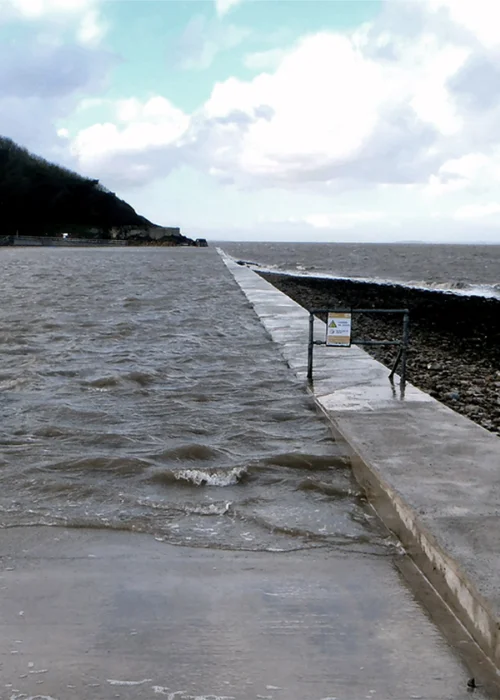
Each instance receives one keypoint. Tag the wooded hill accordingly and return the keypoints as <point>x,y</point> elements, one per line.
<point>38,198</point>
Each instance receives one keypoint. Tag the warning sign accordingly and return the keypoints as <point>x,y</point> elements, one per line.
<point>338,329</point>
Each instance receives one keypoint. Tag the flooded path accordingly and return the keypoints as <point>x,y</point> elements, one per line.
<point>140,394</point>
<point>116,615</point>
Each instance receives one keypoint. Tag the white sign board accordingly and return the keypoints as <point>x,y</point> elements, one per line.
<point>338,329</point>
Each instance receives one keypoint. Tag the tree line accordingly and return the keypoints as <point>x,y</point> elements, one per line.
<point>40,198</point>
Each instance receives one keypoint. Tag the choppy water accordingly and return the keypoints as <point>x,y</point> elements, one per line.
<point>139,391</point>
<point>466,269</point>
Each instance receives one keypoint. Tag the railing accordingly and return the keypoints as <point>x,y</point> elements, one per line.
<point>403,343</point>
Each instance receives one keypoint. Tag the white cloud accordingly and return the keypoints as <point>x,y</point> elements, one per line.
<point>318,112</point>
<point>431,99</point>
<point>467,167</point>
<point>43,73</point>
<point>147,125</point>
<point>457,174</point>
<point>477,211</point>
<point>336,113</point>
<point>92,29</point>
<point>400,107</point>
<point>342,220</point>
<point>331,111</point>
<point>37,9</point>
<point>480,17</point>
<point>263,60</point>
<point>129,151</point>
<point>84,14</point>
<point>472,175</point>
<point>223,6</point>
<point>203,40</point>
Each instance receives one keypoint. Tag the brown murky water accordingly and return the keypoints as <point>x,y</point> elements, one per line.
<point>140,392</point>
<point>471,269</point>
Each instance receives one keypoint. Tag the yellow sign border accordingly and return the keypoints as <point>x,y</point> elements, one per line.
<point>341,341</point>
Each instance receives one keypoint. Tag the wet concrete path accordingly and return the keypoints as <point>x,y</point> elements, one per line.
<point>101,613</point>
<point>97,614</point>
<point>431,473</point>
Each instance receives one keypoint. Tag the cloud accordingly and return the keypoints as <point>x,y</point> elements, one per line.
<point>404,107</point>
<point>43,72</point>
<point>92,29</point>
<point>472,175</point>
<point>203,40</point>
<point>477,84</point>
<point>456,174</point>
<point>38,9</point>
<point>336,114</point>
<point>332,111</point>
<point>477,211</point>
<point>222,7</point>
<point>263,60</point>
<point>141,147</point>
<point>48,71</point>
<point>481,18</point>
<point>84,14</point>
<point>340,220</point>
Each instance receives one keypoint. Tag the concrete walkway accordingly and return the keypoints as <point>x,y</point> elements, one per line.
<point>104,615</point>
<point>433,475</point>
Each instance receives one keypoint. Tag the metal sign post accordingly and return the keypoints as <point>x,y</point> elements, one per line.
<point>339,334</point>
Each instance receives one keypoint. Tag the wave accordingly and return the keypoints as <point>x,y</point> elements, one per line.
<point>110,382</point>
<point>229,476</point>
<point>299,460</point>
<point>125,466</point>
<point>329,489</point>
<point>201,477</point>
<point>102,383</point>
<point>192,452</point>
<point>319,537</point>
<point>203,509</point>
<point>459,288</point>
<point>489,291</point>
<point>141,378</point>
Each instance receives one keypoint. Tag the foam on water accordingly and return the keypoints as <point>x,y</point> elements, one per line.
<point>199,477</point>
<point>456,269</point>
<point>458,288</point>
<point>147,397</point>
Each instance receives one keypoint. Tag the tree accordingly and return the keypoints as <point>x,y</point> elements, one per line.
<point>39,198</point>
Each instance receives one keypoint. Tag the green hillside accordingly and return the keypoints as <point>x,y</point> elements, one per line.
<point>38,198</point>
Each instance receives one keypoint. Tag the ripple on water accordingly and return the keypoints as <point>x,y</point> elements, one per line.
<point>140,392</point>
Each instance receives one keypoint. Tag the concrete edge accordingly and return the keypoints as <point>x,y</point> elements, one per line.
<point>451,583</point>
<point>453,586</point>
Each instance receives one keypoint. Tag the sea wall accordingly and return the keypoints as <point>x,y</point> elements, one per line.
<point>431,475</point>
<point>455,339</point>
<point>474,317</point>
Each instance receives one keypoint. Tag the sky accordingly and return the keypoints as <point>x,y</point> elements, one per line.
<point>292,120</point>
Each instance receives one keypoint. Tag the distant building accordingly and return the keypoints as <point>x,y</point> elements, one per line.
<point>164,232</point>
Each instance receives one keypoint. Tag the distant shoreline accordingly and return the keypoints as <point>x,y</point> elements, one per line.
<point>58,242</point>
